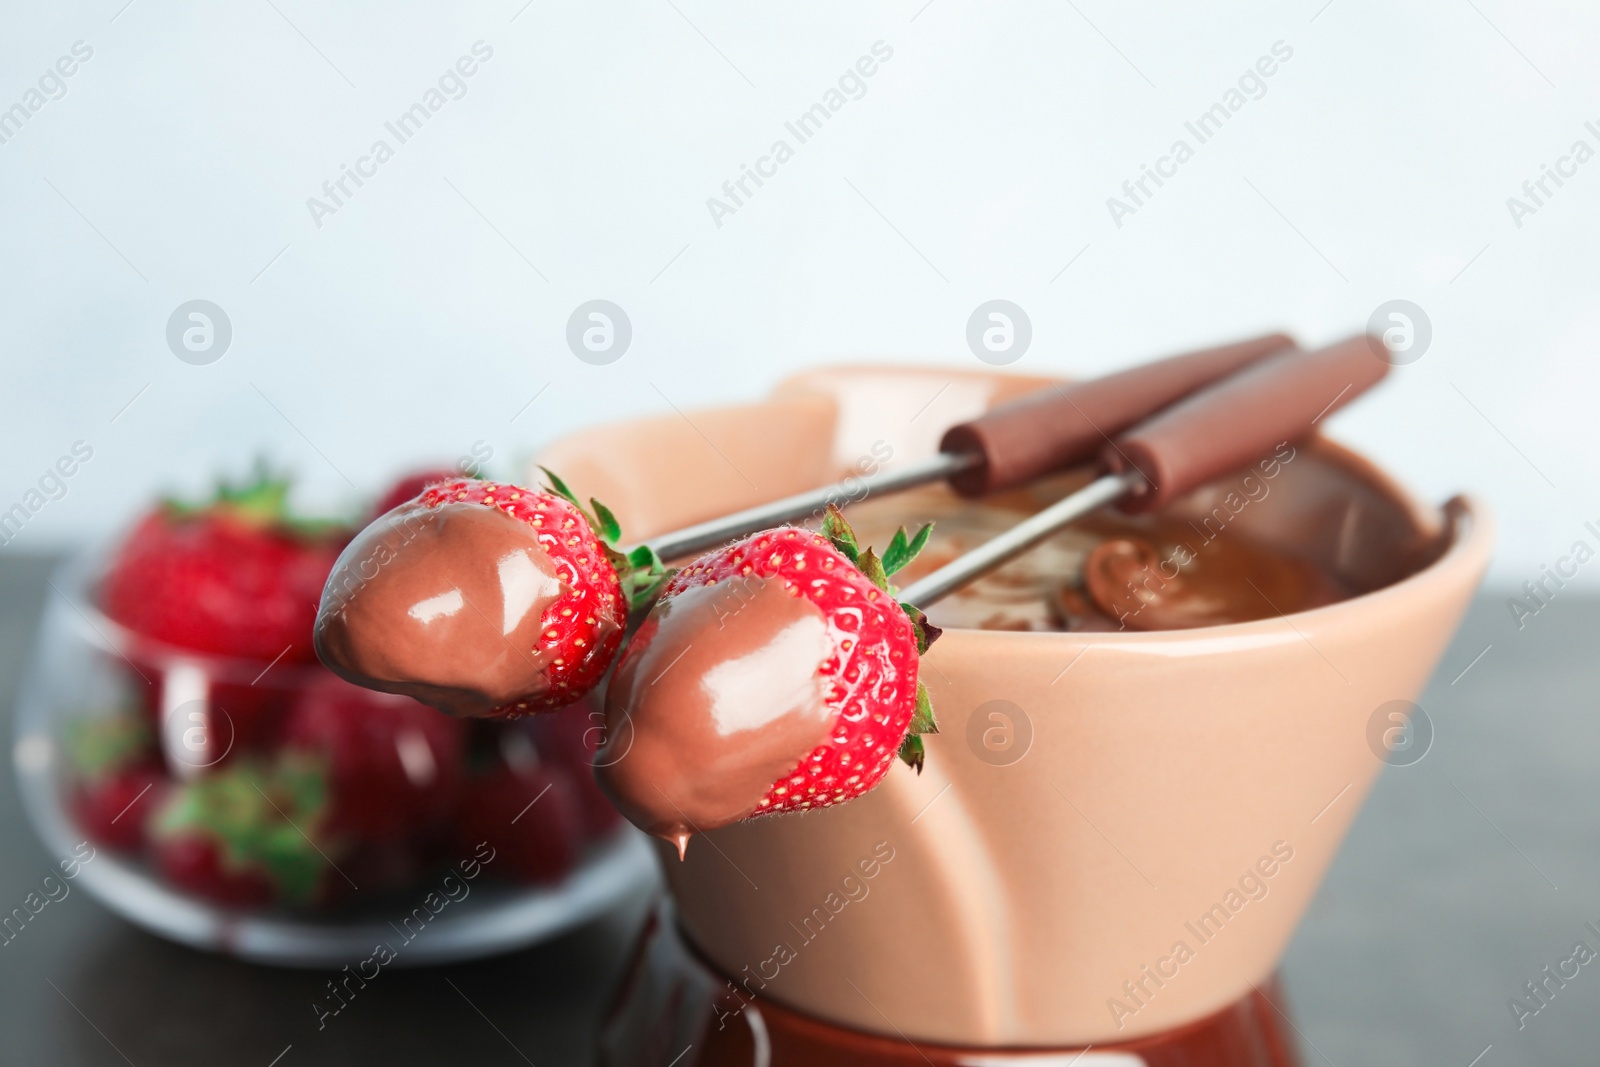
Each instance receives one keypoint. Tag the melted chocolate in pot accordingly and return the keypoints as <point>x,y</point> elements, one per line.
<point>1152,579</point>
<point>1107,572</point>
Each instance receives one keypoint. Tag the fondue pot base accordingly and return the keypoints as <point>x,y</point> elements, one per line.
<point>674,1009</point>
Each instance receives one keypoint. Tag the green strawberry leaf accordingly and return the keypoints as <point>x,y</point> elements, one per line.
<point>923,720</point>
<point>264,500</point>
<point>260,817</point>
<point>912,753</point>
<point>260,501</point>
<point>872,567</point>
<point>292,863</point>
<point>918,543</point>
<point>837,530</point>
<point>643,574</point>
<point>103,744</point>
<point>559,488</point>
<point>912,750</point>
<point>902,551</point>
<point>898,544</point>
<point>644,589</point>
<point>645,557</point>
<point>610,530</point>
<point>927,633</point>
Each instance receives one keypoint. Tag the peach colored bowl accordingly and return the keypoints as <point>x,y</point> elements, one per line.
<point>1042,902</point>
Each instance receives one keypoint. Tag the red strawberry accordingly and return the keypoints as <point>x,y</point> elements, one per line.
<point>235,577</point>
<point>569,738</point>
<point>529,815</point>
<point>113,810</point>
<point>196,863</point>
<point>410,486</point>
<point>866,679</point>
<point>246,836</point>
<point>393,765</point>
<point>118,780</point>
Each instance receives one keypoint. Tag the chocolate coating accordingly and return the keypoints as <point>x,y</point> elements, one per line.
<point>442,604</point>
<point>718,697</point>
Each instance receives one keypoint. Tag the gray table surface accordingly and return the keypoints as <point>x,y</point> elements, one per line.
<point>1464,875</point>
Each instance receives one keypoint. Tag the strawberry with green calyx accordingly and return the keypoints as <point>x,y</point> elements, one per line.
<point>238,575</point>
<point>775,674</point>
<point>441,600</point>
<point>613,579</point>
<point>901,551</point>
<point>246,835</point>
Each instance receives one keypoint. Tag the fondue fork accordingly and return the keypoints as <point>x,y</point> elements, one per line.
<point>1047,430</point>
<point>1220,428</point>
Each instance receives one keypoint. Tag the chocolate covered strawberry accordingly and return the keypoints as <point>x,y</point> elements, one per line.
<point>237,576</point>
<point>482,599</point>
<point>777,674</point>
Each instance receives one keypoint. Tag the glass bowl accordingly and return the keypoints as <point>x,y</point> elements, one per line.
<point>180,726</point>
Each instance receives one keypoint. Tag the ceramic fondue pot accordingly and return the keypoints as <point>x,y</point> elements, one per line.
<point>1134,852</point>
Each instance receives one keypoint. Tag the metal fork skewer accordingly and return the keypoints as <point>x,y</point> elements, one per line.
<point>1021,537</point>
<point>718,531</point>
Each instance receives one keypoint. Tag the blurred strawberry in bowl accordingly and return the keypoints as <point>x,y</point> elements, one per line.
<point>236,577</point>
<point>117,778</point>
<point>569,738</point>
<point>393,766</point>
<point>525,806</point>
<point>357,799</point>
<point>248,836</point>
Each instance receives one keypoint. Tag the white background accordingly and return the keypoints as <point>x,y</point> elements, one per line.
<point>415,321</point>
